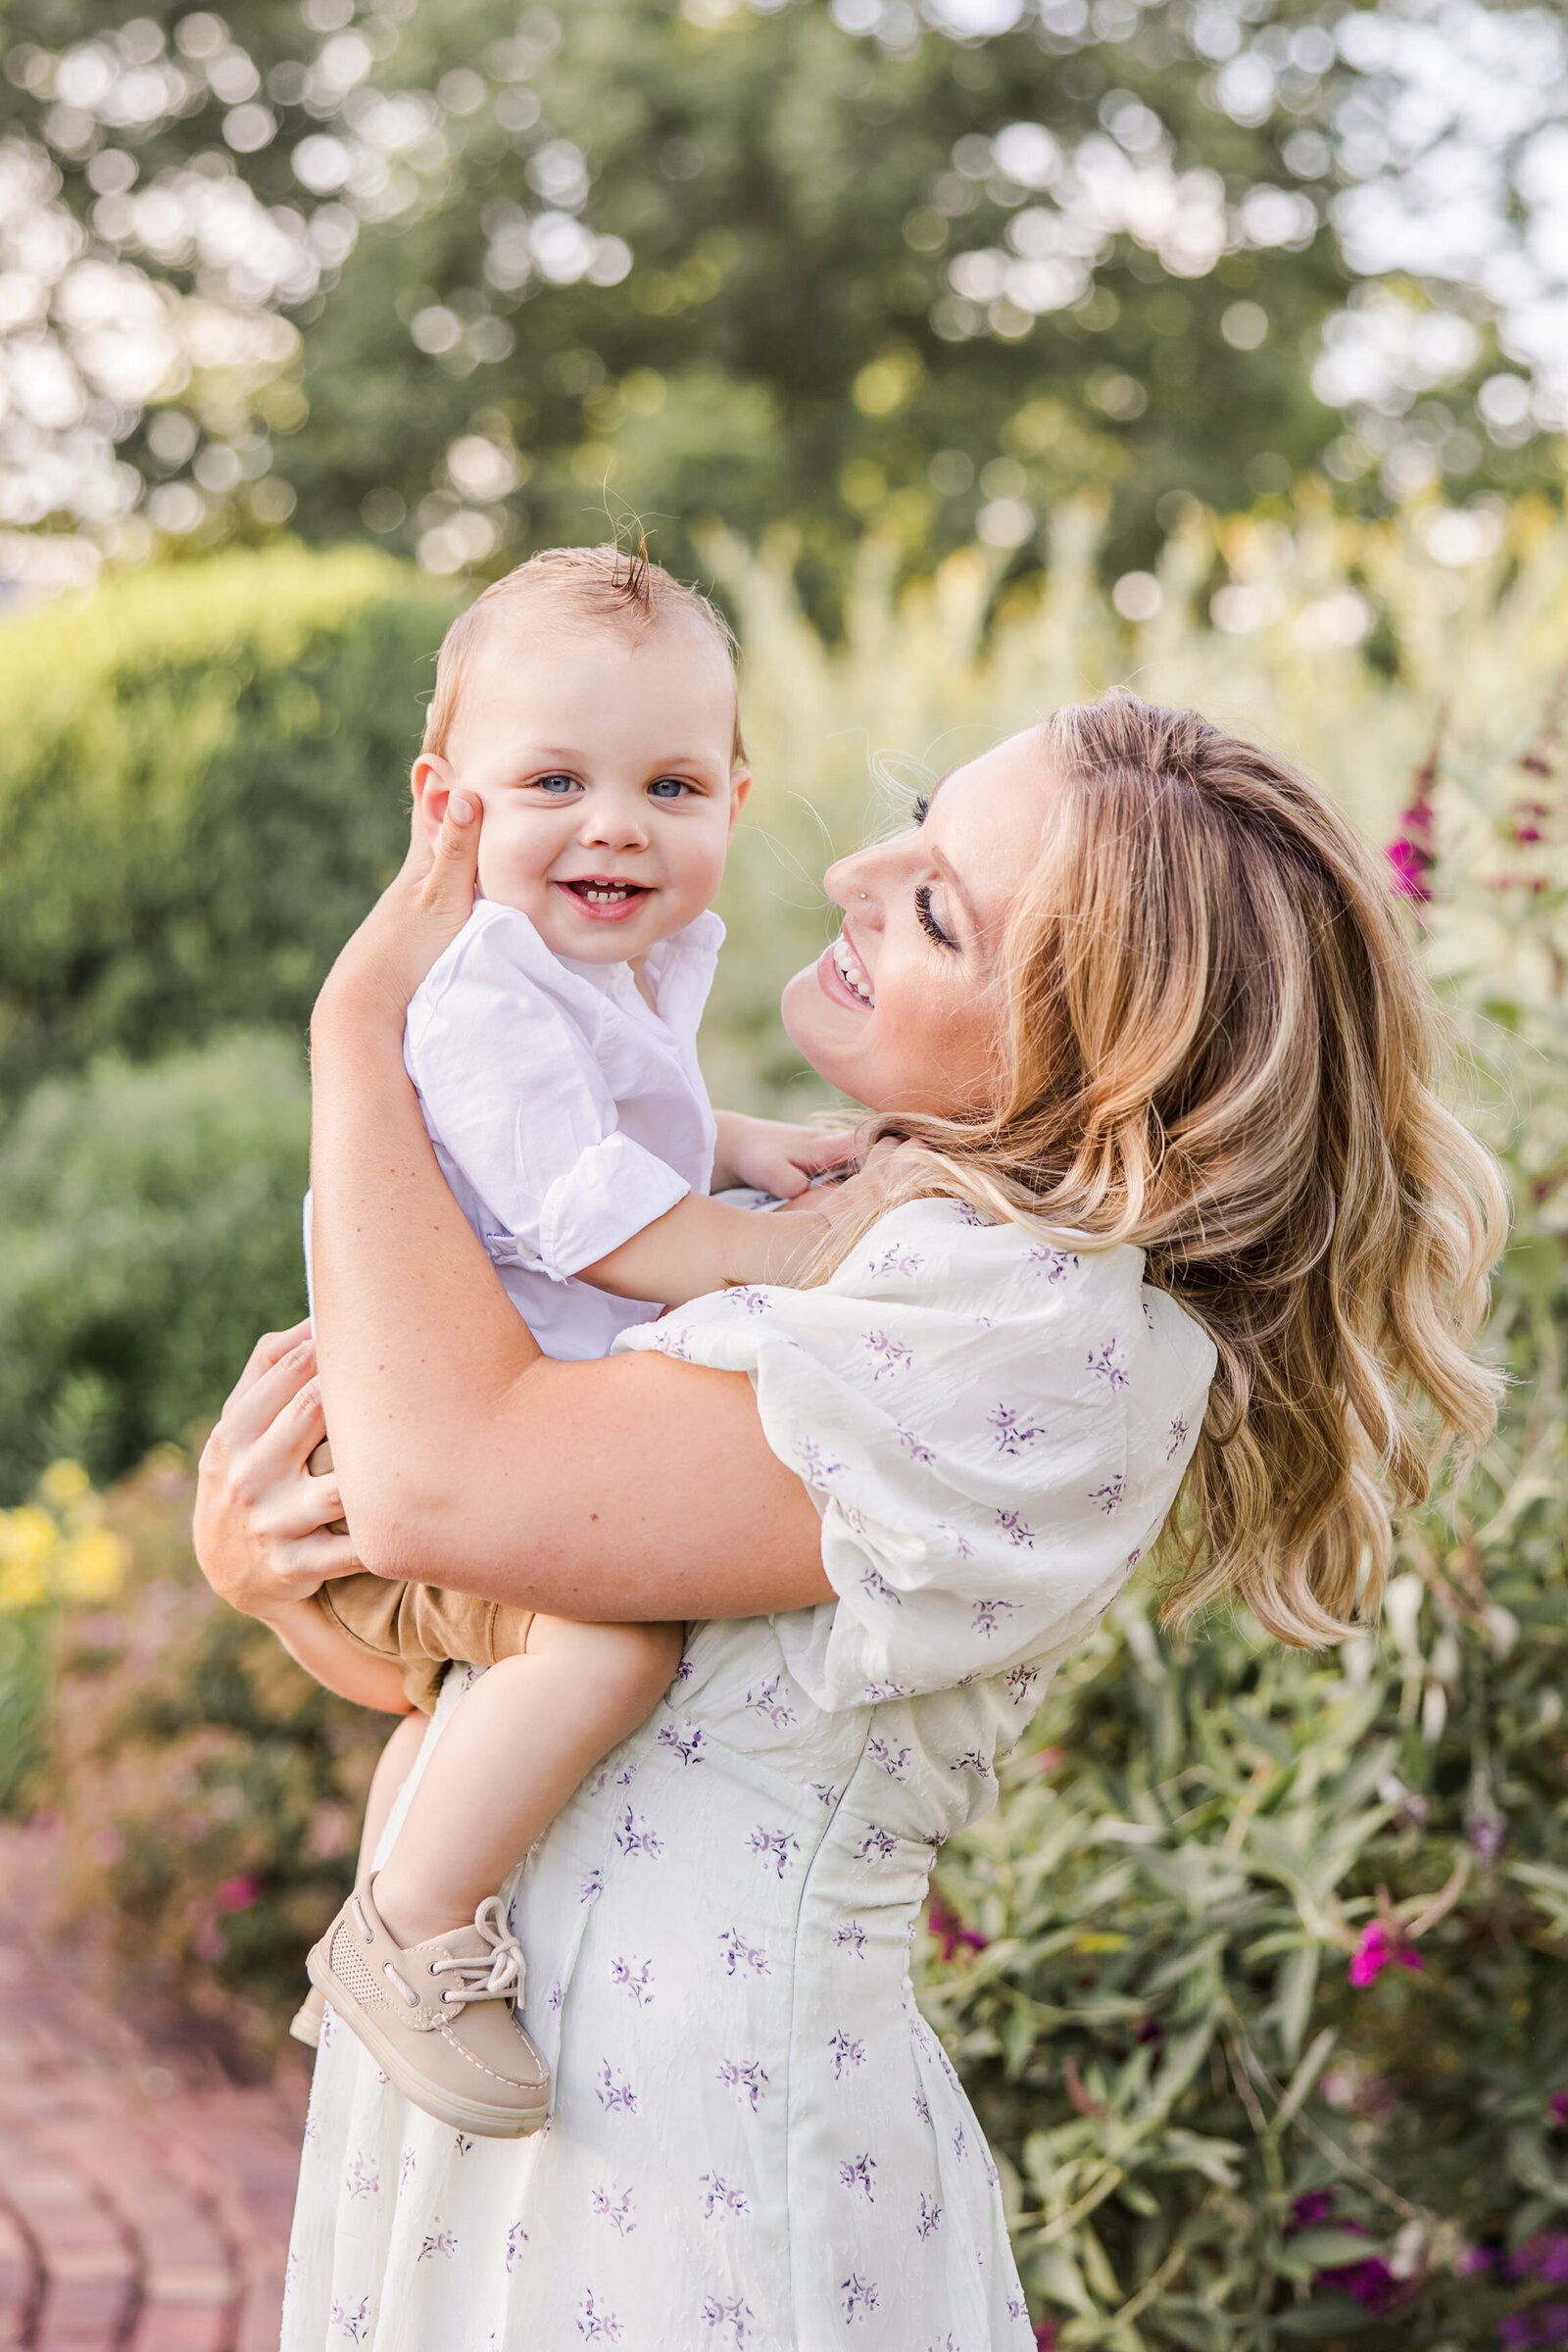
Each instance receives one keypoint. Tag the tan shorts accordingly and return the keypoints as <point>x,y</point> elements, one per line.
<point>421,1628</point>
<point>418,1627</point>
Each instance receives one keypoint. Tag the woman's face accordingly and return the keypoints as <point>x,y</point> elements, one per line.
<point>901,1011</point>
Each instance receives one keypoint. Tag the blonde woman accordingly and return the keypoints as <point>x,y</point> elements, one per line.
<point>1177,1249</point>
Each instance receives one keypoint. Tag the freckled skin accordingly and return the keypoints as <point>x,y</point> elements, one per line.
<point>925,1045</point>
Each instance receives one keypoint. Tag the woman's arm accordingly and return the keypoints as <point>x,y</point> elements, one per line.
<point>630,1488</point>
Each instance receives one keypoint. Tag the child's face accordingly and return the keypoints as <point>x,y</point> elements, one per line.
<point>603,765</point>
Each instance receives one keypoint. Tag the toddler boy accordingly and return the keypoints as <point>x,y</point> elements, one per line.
<point>587,702</point>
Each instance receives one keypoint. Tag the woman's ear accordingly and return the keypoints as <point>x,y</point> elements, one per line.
<point>433,789</point>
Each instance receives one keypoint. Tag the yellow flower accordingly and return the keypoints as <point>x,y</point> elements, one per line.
<point>1100,1941</point>
<point>23,1585</point>
<point>62,1483</point>
<point>27,1536</point>
<point>92,1566</point>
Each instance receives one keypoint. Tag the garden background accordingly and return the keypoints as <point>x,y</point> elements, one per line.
<point>977,353</point>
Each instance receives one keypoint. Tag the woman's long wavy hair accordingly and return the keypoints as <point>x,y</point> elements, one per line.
<point>1216,1044</point>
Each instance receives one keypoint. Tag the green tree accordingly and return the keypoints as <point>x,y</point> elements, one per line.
<point>811,260</point>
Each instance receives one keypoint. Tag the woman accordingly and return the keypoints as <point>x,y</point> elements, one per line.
<point>1174,1209</point>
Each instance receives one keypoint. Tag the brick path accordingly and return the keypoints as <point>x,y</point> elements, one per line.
<point>139,2212</point>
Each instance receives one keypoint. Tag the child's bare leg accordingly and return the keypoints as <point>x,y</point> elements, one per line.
<point>512,1753</point>
<point>394,1765</point>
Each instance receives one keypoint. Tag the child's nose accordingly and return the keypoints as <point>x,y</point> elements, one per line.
<point>613,821</point>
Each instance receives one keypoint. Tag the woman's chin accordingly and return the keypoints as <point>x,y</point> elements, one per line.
<point>808,1024</point>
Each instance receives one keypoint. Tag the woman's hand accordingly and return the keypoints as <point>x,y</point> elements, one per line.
<point>260,1525</point>
<point>413,922</point>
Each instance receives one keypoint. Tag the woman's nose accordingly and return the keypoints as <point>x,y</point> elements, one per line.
<point>851,883</point>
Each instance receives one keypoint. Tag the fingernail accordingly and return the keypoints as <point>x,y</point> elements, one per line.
<point>460,809</point>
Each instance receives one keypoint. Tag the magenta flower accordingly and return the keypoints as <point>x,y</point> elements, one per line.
<point>1046,2337</point>
<point>237,1894</point>
<point>1409,866</point>
<point>1377,1950</point>
<point>1309,2210</point>
<point>1557,2111</point>
<point>951,1932</point>
<point>1543,2256</point>
<point>1542,2324</point>
<point>1371,2283</point>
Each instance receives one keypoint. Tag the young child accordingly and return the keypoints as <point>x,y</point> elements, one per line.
<point>587,702</point>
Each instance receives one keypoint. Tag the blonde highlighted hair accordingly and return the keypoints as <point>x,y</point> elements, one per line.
<point>608,587</point>
<point>1216,1045</point>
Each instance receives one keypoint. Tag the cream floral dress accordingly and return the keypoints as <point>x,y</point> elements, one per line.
<point>757,2143</point>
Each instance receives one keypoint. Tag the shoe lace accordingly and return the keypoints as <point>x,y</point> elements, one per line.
<point>496,1976</point>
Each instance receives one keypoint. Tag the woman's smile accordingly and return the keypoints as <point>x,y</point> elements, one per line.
<point>842,977</point>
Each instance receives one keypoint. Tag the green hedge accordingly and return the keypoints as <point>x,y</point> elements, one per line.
<point>203,780</point>
<point>149,1229</point>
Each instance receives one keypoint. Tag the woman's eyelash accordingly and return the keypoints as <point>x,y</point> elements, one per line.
<point>928,922</point>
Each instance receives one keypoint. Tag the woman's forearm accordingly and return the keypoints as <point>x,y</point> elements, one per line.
<point>630,1488</point>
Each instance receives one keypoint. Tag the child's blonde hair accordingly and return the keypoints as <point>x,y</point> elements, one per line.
<point>1216,1045</point>
<point>601,587</point>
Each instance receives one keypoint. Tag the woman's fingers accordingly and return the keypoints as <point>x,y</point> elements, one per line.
<point>254,1406</point>
<point>270,1348</point>
<point>449,885</point>
<point>322,1557</point>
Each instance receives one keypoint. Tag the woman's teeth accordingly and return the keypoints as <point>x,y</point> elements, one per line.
<point>849,972</point>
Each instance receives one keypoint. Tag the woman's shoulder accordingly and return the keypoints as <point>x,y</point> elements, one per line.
<point>935,1277</point>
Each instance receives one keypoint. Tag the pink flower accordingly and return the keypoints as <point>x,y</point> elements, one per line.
<point>1046,2337</point>
<point>1371,2283</point>
<point>1408,865</point>
<point>1375,1952</point>
<point>1557,2111</point>
<point>951,1932</point>
<point>237,1894</point>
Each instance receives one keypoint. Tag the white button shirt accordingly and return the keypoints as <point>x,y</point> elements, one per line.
<point>567,1112</point>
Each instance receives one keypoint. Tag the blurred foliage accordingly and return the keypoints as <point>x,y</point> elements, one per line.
<point>203,780</point>
<point>207,1793</point>
<point>55,1552</point>
<point>149,1228</point>
<point>749,260</point>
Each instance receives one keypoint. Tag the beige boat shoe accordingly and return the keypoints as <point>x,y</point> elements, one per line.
<point>439,2017</point>
<point>306,2022</point>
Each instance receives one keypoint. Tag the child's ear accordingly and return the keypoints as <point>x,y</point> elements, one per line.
<point>432,788</point>
<point>740,784</point>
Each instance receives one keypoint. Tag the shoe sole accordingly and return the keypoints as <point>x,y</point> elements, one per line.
<point>464,2115</point>
<point>306,2029</point>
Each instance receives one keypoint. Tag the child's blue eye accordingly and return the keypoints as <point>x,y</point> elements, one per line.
<point>669,788</point>
<point>554,784</point>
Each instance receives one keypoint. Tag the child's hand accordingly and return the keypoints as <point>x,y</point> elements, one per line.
<point>775,1155</point>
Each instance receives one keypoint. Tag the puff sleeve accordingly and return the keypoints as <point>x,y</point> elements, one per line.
<point>993,1428</point>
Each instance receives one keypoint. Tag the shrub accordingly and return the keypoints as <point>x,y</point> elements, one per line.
<point>55,1552</point>
<point>151,1224</point>
<point>203,781</point>
<point>207,1793</point>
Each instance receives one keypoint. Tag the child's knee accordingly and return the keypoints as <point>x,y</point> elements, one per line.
<point>639,1665</point>
<point>624,1669</point>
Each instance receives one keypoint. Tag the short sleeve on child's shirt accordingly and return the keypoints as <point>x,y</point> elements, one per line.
<point>523,1063</point>
<point>994,1429</point>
